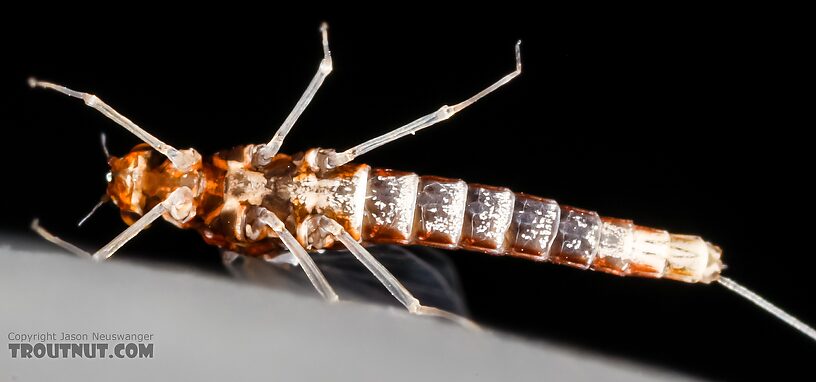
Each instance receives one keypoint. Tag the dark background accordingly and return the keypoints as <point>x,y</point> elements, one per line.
<point>678,121</point>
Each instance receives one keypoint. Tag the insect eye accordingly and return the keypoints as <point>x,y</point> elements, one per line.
<point>109,176</point>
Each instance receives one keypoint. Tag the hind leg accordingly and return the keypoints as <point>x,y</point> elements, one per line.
<point>386,278</point>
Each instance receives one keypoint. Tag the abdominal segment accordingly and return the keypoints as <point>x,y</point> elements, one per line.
<point>404,208</point>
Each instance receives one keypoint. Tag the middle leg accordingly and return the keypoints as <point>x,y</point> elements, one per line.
<point>319,281</point>
<point>265,153</point>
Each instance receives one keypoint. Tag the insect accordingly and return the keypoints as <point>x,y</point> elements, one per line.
<point>257,201</point>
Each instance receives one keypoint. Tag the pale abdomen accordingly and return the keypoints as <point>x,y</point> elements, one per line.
<point>404,208</point>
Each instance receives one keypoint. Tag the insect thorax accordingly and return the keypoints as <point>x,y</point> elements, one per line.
<point>142,178</point>
<point>292,187</point>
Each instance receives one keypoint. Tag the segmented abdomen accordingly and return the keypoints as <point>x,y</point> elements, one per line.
<point>404,208</point>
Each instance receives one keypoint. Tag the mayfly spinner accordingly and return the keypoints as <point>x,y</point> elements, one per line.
<point>256,201</point>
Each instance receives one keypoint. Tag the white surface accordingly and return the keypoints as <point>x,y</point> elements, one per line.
<point>208,328</point>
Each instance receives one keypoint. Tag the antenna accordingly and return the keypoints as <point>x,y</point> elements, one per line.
<point>105,198</point>
<point>768,307</point>
<point>104,139</point>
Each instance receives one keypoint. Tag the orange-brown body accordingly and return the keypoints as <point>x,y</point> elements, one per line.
<point>386,206</point>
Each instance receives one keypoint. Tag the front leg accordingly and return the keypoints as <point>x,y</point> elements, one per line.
<point>178,204</point>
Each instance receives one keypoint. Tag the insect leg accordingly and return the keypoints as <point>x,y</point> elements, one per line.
<point>333,159</point>
<point>35,226</point>
<point>309,267</point>
<point>178,204</point>
<point>231,262</point>
<point>265,153</point>
<point>182,159</point>
<point>244,267</point>
<point>386,278</point>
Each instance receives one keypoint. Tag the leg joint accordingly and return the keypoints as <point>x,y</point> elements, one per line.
<point>326,66</point>
<point>90,99</point>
